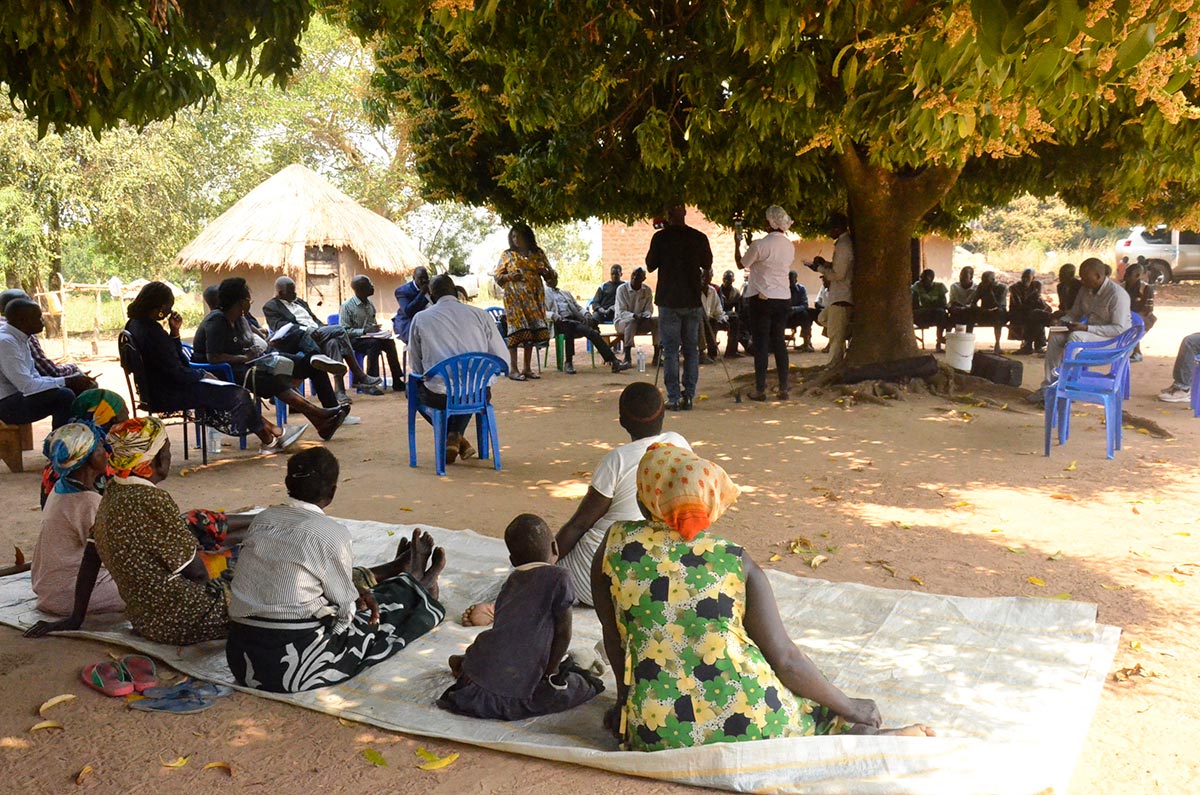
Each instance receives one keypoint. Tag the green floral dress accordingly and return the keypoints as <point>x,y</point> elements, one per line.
<point>694,675</point>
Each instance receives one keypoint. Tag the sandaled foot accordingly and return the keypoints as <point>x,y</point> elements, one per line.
<point>516,376</point>
<point>465,450</point>
<point>530,375</point>
<point>452,448</point>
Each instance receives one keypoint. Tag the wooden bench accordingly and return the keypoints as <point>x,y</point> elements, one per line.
<point>15,440</point>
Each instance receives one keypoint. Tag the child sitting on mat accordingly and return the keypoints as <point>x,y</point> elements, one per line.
<point>519,668</point>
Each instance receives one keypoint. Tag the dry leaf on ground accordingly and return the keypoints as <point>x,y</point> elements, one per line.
<point>916,579</point>
<point>775,558</point>
<point>50,702</point>
<point>818,560</point>
<point>1067,497</point>
<point>84,773</point>
<point>433,761</point>
<point>374,757</point>
<point>1038,581</point>
<point>177,762</point>
<point>46,724</point>
<point>220,766</point>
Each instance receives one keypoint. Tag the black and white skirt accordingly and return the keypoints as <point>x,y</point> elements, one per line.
<point>290,656</point>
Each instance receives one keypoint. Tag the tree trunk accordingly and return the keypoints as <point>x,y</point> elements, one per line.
<point>885,210</point>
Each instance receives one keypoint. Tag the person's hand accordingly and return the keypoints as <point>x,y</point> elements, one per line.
<point>175,323</point>
<point>862,710</point>
<point>46,627</point>
<point>79,383</point>
<point>373,327</point>
<point>366,601</point>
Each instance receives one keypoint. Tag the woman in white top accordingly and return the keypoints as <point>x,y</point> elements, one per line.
<point>78,454</point>
<point>768,298</point>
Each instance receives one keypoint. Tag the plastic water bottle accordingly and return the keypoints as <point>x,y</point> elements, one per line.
<point>641,360</point>
<point>214,440</point>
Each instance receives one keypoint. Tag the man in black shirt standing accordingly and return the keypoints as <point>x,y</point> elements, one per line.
<point>680,254</point>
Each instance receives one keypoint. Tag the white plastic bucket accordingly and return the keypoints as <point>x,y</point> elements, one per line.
<point>960,350</point>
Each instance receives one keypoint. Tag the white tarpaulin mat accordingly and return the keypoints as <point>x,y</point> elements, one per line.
<point>1009,684</point>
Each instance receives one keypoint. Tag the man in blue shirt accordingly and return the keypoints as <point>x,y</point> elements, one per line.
<point>800,315</point>
<point>412,298</point>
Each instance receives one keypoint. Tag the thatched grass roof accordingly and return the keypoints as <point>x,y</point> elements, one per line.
<point>272,225</point>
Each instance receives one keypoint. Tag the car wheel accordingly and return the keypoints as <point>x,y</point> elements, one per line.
<point>1158,272</point>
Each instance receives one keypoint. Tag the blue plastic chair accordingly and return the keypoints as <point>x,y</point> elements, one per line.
<point>1196,389</point>
<point>466,376</point>
<point>222,371</point>
<point>498,315</point>
<point>1078,380</point>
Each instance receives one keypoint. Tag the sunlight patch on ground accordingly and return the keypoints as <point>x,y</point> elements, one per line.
<point>569,491</point>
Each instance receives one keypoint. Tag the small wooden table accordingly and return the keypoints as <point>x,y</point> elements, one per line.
<point>14,440</point>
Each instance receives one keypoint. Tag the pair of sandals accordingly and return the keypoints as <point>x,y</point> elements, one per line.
<point>137,674</point>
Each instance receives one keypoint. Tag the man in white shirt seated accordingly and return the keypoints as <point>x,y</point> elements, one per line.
<point>445,329</point>
<point>569,320</point>
<point>26,396</point>
<point>1101,312</point>
<point>718,320</point>
<point>611,497</point>
<point>635,312</point>
<point>286,307</point>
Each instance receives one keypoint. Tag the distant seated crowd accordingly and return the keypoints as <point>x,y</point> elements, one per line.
<point>1021,307</point>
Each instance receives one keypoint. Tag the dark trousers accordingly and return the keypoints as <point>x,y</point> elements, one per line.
<point>602,315</point>
<point>933,317</point>
<point>435,400</point>
<point>801,317</point>
<point>709,330</point>
<point>573,329</point>
<point>21,409</point>
<point>266,385</point>
<point>372,349</point>
<point>228,408</point>
<point>768,321</point>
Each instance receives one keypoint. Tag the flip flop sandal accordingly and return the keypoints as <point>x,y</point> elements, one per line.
<point>189,688</point>
<point>141,671</point>
<point>516,377</point>
<point>173,706</point>
<point>534,376</point>
<point>108,678</point>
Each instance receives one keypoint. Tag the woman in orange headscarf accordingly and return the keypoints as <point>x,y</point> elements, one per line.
<point>690,625</point>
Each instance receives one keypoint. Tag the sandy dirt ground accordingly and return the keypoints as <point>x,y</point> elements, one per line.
<point>955,499</point>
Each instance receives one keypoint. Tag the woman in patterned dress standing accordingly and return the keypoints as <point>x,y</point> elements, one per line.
<point>521,270</point>
<point>697,646</point>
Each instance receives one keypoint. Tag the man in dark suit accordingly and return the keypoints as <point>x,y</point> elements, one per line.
<point>412,297</point>
<point>310,335</point>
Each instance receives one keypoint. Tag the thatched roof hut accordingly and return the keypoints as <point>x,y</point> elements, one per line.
<point>297,224</point>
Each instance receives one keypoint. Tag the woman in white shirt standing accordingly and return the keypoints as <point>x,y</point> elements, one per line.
<point>768,298</point>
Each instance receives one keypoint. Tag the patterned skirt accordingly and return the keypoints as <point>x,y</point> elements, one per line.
<point>284,656</point>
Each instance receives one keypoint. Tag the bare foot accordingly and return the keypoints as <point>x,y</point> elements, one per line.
<point>419,551</point>
<point>456,661</point>
<point>429,580</point>
<point>482,614</point>
<point>403,549</point>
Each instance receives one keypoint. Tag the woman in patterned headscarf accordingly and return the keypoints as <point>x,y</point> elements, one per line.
<point>78,456</point>
<point>140,537</point>
<point>690,626</point>
<point>103,409</point>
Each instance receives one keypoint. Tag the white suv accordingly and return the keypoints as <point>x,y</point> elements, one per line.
<point>1171,254</point>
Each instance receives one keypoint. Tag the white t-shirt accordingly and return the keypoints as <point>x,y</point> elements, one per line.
<point>768,261</point>
<point>615,478</point>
